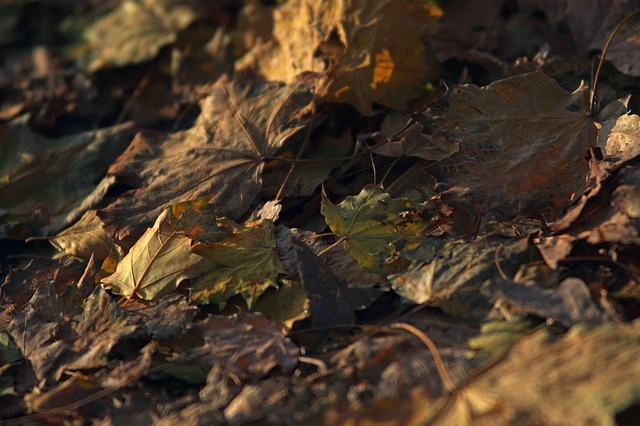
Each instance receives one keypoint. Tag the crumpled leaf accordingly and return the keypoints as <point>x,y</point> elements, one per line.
<point>157,263</point>
<point>619,219</point>
<point>135,31</point>
<point>404,137</point>
<point>522,146</point>
<point>85,238</point>
<point>224,153</point>
<point>452,277</point>
<point>247,344</point>
<point>21,283</point>
<point>619,137</point>
<point>245,263</point>
<point>374,225</point>
<point>624,52</point>
<point>588,376</point>
<point>375,47</point>
<point>36,189</point>
<point>61,337</point>
<point>569,304</point>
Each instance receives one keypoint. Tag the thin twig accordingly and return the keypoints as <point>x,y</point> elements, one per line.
<point>448,383</point>
<point>604,54</point>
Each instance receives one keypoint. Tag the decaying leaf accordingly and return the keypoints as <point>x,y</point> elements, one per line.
<point>587,376</point>
<point>400,136</point>
<point>375,48</point>
<point>569,304</point>
<point>246,263</point>
<point>135,31</point>
<point>249,344</point>
<point>86,238</point>
<point>63,337</point>
<point>373,225</point>
<point>522,146</point>
<point>42,181</point>
<point>452,276</point>
<point>157,263</point>
<point>239,129</point>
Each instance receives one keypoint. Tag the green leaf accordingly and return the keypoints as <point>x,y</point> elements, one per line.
<point>374,225</point>
<point>246,264</point>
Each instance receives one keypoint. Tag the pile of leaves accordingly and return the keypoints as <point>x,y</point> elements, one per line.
<point>319,212</point>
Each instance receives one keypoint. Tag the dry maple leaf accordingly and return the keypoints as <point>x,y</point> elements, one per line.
<point>245,263</point>
<point>240,128</point>
<point>375,47</point>
<point>156,263</point>
<point>522,146</point>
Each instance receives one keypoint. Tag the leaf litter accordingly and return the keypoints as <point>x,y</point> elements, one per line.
<point>267,213</point>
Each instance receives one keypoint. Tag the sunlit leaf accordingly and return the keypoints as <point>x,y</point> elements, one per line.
<point>375,47</point>
<point>240,127</point>
<point>157,263</point>
<point>246,264</point>
<point>374,225</point>
<point>84,238</point>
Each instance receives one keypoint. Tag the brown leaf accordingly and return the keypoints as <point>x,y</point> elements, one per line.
<point>85,238</point>
<point>400,136</point>
<point>568,305</point>
<point>247,344</point>
<point>157,263</point>
<point>43,181</point>
<point>376,49</point>
<point>624,52</point>
<point>588,375</point>
<point>240,127</point>
<point>522,145</point>
<point>135,31</point>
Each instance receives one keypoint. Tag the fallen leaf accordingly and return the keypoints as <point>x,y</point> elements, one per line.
<point>21,283</point>
<point>375,47</point>
<point>374,225</point>
<point>157,263</point>
<point>467,26</point>
<point>85,238</point>
<point>400,136</point>
<point>34,188</point>
<point>522,146</point>
<point>248,344</point>
<point>452,277</point>
<point>246,264</point>
<point>569,304</point>
<point>588,376</point>
<point>624,52</point>
<point>329,296</point>
<point>239,129</point>
<point>135,31</point>
<point>619,137</point>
